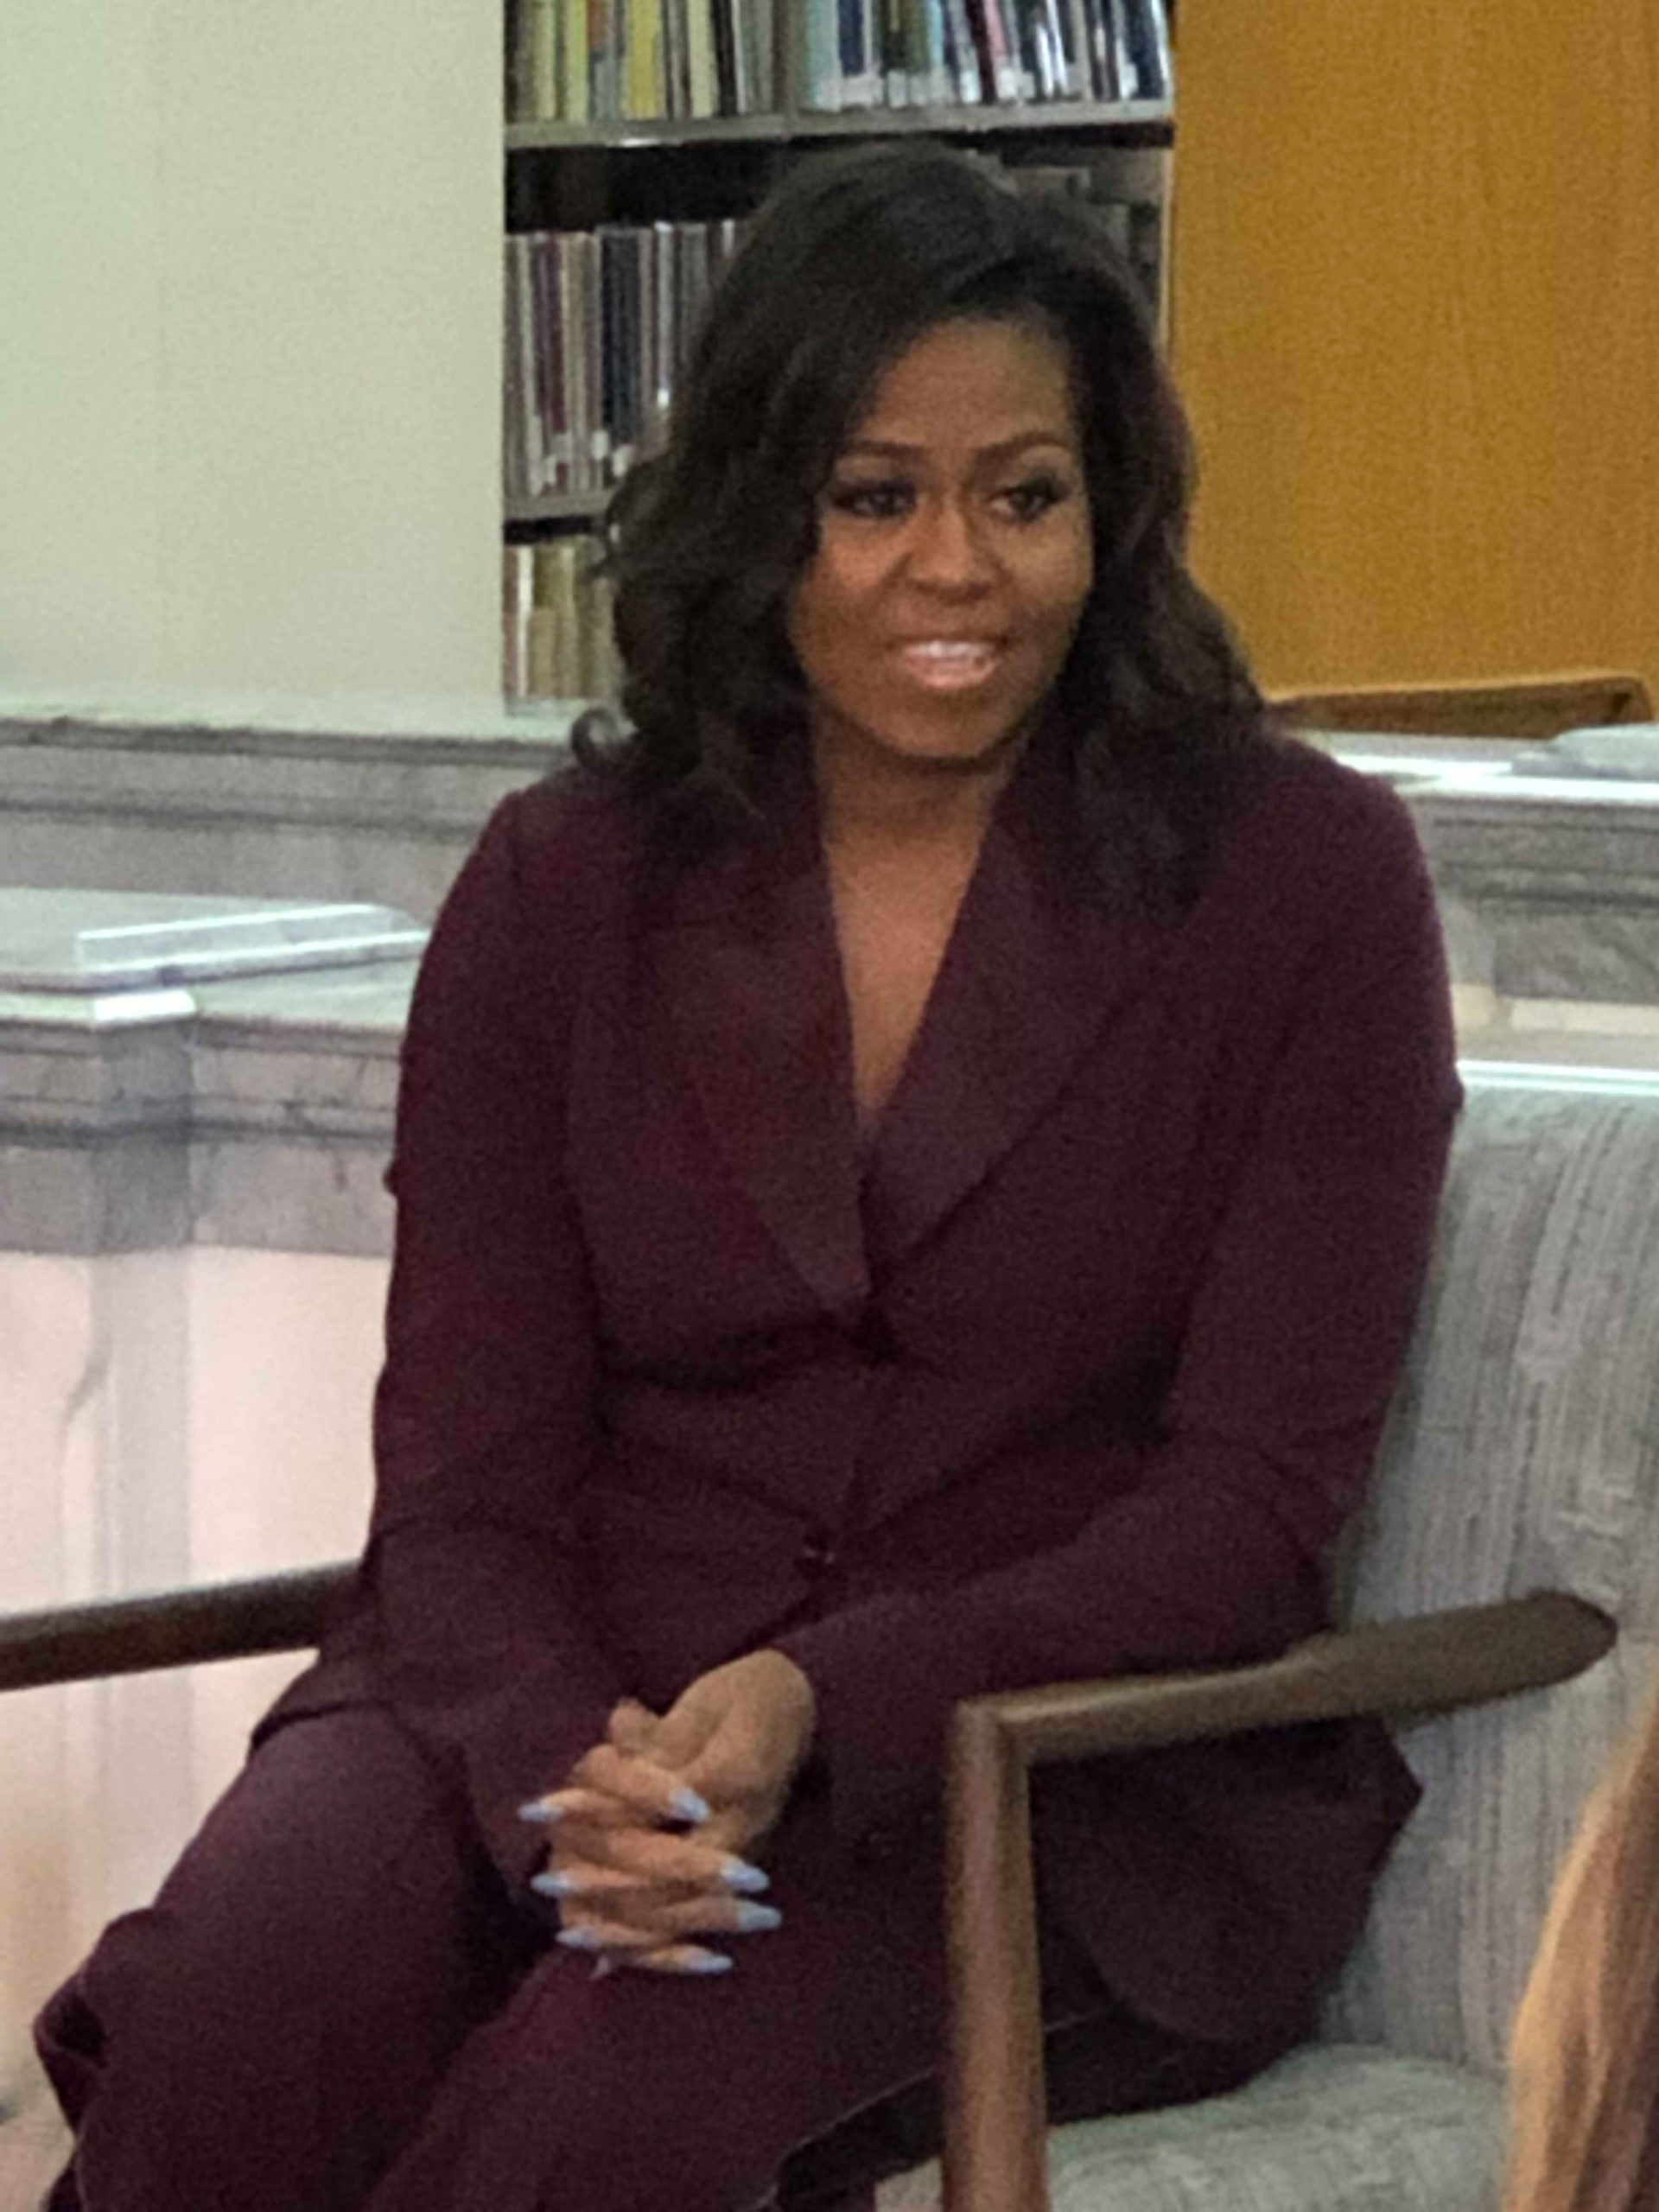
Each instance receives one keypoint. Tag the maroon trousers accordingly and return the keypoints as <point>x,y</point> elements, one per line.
<point>332,2004</point>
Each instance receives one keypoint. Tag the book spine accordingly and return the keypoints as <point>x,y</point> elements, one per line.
<point>1139,25</point>
<point>919,88</point>
<point>1163,56</point>
<point>1003,76</point>
<point>572,60</point>
<point>643,70</point>
<point>938,79</point>
<point>520,99</point>
<point>548,397</point>
<point>757,48</point>
<point>517,598</point>
<point>768,56</point>
<point>545,60</point>
<point>543,658</point>
<point>651,423</point>
<point>515,475</point>
<point>699,57</point>
<point>612,412</point>
<point>634,297</point>
<point>1066,36</point>
<point>1104,83</point>
<point>871,87</point>
<point>964,53</point>
<point>1019,18</point>
<point>572,363</point>
<point>894,69</point>
<point>538,461</point>
<point>693,266</point>
<point>1123,62</point>
<point>850,37</point>
<point>744,58</point>
<point>593,332</point>
<point>816,30</point>
<point>725,67</point>
<point>666,324</point>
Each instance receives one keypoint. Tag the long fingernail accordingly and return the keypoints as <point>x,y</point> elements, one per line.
<point>707,1962</point>
<point>538,1808</point>
<point>751,1918</point>
<point>557,1885</point>
<point>686,1805</point>
<point>738,1874</point>
<point>578,1939</point>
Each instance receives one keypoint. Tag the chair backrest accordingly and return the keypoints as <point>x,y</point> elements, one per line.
<point>1522,1453</point>
<point>1518,707</point>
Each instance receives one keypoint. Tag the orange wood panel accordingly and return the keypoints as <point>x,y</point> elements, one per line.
<point>1416,319</point>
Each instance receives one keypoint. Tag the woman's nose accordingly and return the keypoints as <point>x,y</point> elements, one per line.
<point>948,545</point>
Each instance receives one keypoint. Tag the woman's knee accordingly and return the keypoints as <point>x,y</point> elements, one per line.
<point>306,1971</point>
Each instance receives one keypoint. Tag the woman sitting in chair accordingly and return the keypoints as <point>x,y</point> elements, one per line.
<point>1585,2054</point>
<point>914,1170</point>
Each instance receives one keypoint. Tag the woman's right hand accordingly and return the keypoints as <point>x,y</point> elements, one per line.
<point>632,1891</point>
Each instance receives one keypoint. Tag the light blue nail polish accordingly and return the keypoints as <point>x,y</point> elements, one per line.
<point>708,1962</point>
<point>739,1875</point>
<point>577,1939</point>
<point>752,1918</point>
<point>556,1886</point>
<point>686,1805</point>
<point>538,1809</point>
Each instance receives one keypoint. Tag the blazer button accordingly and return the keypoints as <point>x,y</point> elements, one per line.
<point>817,1556</point>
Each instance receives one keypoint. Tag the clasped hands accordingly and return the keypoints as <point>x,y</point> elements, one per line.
<point>654,1831</point>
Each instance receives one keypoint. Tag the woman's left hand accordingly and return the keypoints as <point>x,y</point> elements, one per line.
<point>738,1736</point>
<point>735,1737</point>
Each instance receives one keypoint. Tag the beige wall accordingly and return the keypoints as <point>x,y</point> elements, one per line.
<point>1416,319</point>
<point>248,346</point>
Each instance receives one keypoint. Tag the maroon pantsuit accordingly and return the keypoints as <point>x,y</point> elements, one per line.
<point>1082,1375</point>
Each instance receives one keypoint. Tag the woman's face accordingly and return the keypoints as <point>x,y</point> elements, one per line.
<point>954,554</point>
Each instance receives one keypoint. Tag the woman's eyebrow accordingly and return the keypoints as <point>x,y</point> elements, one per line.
<point>893,449</point>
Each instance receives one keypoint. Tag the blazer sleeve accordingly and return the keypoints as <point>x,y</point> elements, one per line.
<point>484,1420</point>
<point>1293,1344</point>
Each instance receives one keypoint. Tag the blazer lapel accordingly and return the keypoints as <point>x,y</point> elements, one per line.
<point>748,979</point>
<point>747,975</point>
<point>1032,974</point>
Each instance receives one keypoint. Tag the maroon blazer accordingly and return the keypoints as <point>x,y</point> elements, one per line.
<point>1081,1377</point>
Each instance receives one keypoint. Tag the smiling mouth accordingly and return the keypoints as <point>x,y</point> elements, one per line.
<point>951,665</point>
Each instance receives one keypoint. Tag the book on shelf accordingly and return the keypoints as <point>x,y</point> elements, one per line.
<point>598,323</point>
<point>596,62</point>
<point>557,623</point>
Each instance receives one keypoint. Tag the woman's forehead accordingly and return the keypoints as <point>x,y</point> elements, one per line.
<point>992,382</point>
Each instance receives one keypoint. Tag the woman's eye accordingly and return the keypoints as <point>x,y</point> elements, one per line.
<point>1035,497</point>
<point>879,502</point>
<point>884,502</point>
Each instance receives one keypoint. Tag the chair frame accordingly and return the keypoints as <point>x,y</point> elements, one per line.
<point>994,2152</point>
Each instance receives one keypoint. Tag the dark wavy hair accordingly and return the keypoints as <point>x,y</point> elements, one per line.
<point>852,258</point>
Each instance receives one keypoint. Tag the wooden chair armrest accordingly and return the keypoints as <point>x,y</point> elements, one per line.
<point>996,2154</point>
<point>173,1628</point>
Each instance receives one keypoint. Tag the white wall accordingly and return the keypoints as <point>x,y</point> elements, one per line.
<point>163,1417</point>
<point>250,333</point>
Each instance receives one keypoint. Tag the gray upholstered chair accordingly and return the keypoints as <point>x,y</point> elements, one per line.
<point>1522,1454</point>
<point>1520,1457</point>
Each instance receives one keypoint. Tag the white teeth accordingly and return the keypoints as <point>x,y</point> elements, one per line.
<point>951,649</point>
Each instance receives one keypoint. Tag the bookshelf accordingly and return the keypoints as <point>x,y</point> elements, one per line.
<point>619,224</point>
